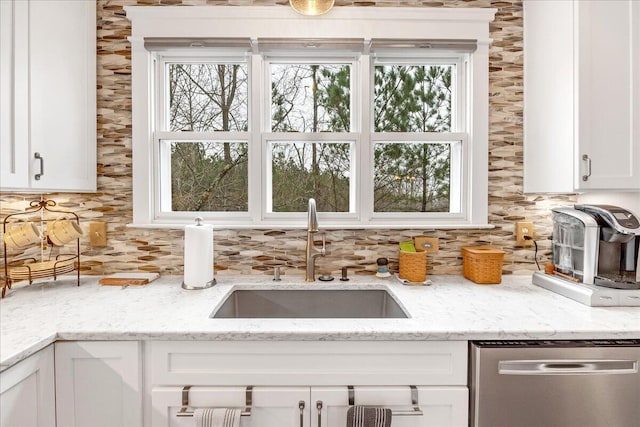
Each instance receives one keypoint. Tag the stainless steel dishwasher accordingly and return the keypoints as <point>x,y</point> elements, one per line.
<point>555,383</point>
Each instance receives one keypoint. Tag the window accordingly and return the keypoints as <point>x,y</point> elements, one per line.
<point>243,126</point>
<point>417,105</point>
<point>208,102</point>
<point>309,97</point>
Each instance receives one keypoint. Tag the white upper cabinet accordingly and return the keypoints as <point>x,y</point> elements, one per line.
<point>48,95</point>
<point>581,96</point>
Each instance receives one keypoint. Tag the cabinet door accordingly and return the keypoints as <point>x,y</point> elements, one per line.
<point>27,392</point>
<point>62,95</point>
<point>548,97</point>
<point>271,406</point>
<point>440,406</point>
<point>14,88</point>
<point>98,384</point>
<point>608,82</point>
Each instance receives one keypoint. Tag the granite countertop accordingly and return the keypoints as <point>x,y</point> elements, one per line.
<point>31,317</point>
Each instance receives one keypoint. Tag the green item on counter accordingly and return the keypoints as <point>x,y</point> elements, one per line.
<point>407,246</point>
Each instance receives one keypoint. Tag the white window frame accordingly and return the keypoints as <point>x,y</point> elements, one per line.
<point>257,22</point>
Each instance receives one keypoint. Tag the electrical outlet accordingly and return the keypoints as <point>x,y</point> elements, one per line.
<point>427,244</point>
<point>98,234</point>
<point>524,229</point>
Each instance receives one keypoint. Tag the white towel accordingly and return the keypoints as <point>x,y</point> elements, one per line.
<point>218,417</point>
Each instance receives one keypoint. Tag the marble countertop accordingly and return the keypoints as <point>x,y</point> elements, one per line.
<point>452,308</point>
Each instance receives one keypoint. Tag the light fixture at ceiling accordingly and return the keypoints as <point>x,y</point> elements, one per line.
<point>311,7</point>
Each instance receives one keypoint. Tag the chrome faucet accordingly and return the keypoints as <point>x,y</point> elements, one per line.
<point>312,251</point>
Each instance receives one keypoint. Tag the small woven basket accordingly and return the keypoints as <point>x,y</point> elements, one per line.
<point>413,266</point>
<point>482,264</point>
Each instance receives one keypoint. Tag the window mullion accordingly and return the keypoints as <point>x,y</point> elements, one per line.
<point>203,136</point>
<point>159,193</point>
<point>255,151</point>
<point>364,158</point>
<point>417,136</point>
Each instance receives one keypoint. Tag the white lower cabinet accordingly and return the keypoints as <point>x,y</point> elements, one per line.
<point>27,392</point>
<point>282,374</point>
<point>276,383</point>
<point>98,384</point>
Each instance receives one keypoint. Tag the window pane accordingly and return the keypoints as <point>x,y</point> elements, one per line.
<point>413,98</point>
<point>207,97</point>
<point>412,177</point>
<point>310,98</point>
<point>302,170</point>
<point>208,176</point>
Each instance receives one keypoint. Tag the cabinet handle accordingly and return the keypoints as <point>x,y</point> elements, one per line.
<point>585,157</point>
<point>319,407</point>
<point>301,406</point>
<point>41,159</point>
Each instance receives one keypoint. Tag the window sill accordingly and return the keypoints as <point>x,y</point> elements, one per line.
<point>267,226</point>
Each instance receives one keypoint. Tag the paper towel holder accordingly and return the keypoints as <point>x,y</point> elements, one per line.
<point>199,221</point>
<point>205,286</point>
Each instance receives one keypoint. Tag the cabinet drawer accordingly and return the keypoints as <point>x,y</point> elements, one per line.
<point>276,363</point>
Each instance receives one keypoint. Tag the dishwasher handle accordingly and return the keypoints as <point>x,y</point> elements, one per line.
<point>567,367</point>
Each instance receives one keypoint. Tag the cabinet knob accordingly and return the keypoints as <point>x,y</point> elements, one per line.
<point>587,159</point>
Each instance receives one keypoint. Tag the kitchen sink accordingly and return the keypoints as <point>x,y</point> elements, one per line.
<point>309,303</point>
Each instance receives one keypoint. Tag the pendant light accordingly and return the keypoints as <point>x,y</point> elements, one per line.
<point>311,7</point>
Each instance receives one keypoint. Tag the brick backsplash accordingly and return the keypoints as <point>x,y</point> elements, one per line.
<point>258,251</point>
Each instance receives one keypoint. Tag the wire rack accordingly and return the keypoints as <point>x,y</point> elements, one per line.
<point>30,268</point>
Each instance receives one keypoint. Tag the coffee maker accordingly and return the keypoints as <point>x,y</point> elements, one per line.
<point>597,245</point>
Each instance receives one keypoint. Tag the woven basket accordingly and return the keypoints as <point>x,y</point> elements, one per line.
<point>482,264</point>
<point>413,266</point>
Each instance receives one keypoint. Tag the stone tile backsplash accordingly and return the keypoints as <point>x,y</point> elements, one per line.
<point>258,251</point>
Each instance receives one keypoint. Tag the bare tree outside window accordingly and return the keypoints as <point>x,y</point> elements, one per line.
<point>208,176</point>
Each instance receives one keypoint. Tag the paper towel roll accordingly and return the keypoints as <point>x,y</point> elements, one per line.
<point>198,255</point>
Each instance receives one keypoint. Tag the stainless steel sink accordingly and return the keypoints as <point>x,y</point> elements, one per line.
<point>309,303</point>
